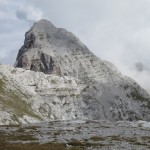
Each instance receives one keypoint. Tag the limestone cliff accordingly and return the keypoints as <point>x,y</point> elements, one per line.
<point>61,79</point>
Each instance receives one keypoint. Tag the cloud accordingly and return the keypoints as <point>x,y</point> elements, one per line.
<point>140,74</point>
<point>29,13</point>
<point>139,67</point>
<point>11,30</point>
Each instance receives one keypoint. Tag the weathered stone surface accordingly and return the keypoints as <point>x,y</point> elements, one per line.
<point>64,80</point>
<point>53,51</point>
<point>77,135</point>
<point>43,63</point>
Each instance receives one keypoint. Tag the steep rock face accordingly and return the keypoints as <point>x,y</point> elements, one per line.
<point>78,84</point>
<point>54,51</point>
<point>27,96</point>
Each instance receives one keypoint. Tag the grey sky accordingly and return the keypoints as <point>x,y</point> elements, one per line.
<point>115,30</point>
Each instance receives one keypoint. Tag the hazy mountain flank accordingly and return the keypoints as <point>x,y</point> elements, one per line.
<point>56,77</point>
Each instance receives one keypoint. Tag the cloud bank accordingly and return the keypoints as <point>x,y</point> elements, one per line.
<point>28,13</point>
<point>118,30</point>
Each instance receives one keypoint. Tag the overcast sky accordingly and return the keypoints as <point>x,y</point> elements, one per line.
<point>115,30</point>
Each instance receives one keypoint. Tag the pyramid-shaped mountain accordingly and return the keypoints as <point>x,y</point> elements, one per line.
<point>59,78</point>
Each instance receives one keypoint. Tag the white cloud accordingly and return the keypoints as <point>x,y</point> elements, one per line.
<point>11,31</point>
<point>13,27</point>
<point>29,13</point>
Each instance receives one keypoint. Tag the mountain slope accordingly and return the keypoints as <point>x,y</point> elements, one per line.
<point>67,81</point>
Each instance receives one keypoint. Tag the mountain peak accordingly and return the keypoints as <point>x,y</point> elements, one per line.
<point>42,25</point>
<point>51,50</point>
<point>45,21</point>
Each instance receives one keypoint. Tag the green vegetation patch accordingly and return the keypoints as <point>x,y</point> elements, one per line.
<point>20,107</point>
<point>53,81</point>
<point>41,36</point>
<point>97,138</point>
<point>22,137</point>
<point>136,95</point>
<point>146,139</point>
<point>1,86</point>
<point>34,146</point>
<point>15,100</point>
<point>77,143</point>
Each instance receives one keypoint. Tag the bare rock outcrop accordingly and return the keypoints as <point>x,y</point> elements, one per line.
<point>64,80</point>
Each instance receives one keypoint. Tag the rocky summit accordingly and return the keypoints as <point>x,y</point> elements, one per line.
<point>56,77</point>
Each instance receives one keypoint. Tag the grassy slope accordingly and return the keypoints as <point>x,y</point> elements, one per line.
<point>15,100</point>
